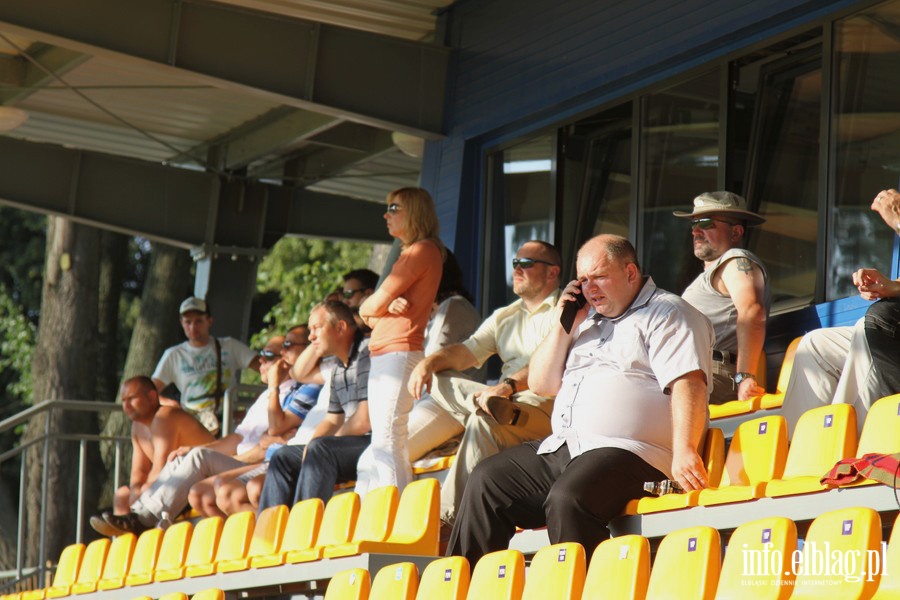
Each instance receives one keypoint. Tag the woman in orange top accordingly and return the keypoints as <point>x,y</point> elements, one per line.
<point>398,313</point>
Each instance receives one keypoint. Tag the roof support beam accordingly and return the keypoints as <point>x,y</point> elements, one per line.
<point>30,77</point>
<point>377,80</point>
<point>172,205</point>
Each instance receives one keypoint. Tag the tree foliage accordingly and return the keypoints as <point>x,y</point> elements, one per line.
<point>302,272</point>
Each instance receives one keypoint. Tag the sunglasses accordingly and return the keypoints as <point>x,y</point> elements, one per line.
<point>350,293</point>
<point>269,355</point>
<point>527,263</point>
<point>708,223</point>
<point>394,208</point>
<point>288,344</point>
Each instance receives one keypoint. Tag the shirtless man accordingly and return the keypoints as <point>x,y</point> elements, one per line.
<point>155,432</point>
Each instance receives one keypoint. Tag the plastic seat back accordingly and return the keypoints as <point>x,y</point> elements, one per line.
<point>556,572</point>
<point>204,543</point>
<point>66,573</point>
<point>176,542</point>
<point>300,532</point>
<point>823,436</point>
<point>91,567</point>
<point>143,561</point>
<point>758,452</point>
<point>687,565</point>
<point>264,541</point>
<point>714,455</point>
<point>376,515</point>
<point>499,576</point>
<point>418,517</point>
<point>881,429</point>
<point>234,543</point>
<point>620,568</point>
<point>752,556</point>
<point>210,594</point>
<point>445,579</point>
<point>118,560</point>
<point>843,533</point>
<point>889,587</point>
<point>352,584</point>
<point>784,376</point>
<point>339,519</point>
<point>174,596</point>
<point>395,582</point>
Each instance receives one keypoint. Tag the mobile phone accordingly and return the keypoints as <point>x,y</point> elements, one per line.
<point>571,308</point>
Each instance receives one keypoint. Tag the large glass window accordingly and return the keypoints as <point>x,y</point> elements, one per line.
<point>680,148</point>
<point>865,139</point>
<point>523,184</point>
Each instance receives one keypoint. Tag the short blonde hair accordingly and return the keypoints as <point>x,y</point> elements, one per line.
<point>421,217</point>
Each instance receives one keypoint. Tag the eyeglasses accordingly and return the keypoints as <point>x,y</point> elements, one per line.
<point>350,293</point>
<point>269,355</point>
<point>288,344</point>
<point>708,223</point>
<point>527,263</point>
<point>394,208</point>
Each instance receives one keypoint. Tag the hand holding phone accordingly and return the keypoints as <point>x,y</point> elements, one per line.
<point>570,309</point>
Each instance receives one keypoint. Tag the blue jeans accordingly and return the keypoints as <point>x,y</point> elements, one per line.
<point>329,460</point>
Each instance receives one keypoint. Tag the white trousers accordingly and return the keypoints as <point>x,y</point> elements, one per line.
<point>389,405</point>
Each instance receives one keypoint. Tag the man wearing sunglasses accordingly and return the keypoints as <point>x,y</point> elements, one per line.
<point>358,285</point>
<point>458,405</point>
<point>733,291</point>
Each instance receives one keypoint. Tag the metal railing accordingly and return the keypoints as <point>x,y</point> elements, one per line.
<point>234,397</point>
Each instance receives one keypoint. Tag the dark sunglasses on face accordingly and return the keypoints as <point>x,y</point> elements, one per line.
<point>708,223</point>
<point>394,208</point>
<point>269,355</point>
<point>350,293</point>
<point>527,263</point>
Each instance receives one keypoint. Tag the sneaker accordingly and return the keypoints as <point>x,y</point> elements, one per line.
<point>98,522</point>
<point>129,523</point>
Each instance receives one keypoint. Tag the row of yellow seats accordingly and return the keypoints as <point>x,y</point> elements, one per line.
<point>766,401</point>
<point>383,523</point>
<point>760,463</point>
<point>210,594</point>
<point>842,557</point>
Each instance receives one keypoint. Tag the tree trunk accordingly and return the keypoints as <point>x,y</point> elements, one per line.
<point>64,367</point>
<point>168,282</point>
<point>113,249</point>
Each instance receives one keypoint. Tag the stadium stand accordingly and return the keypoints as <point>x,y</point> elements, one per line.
<point>687,565</point>
<point>266,539</point>
<point>498,575</point>
<point>445,579</point>
<point>556,573</point>
<point>620,568</point>
<point>395,582</point>
<point>300,533</point>
<point>352,584</point>
<point>143,562</point>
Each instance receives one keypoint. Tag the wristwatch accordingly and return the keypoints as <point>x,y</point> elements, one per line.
<point>512,383</point>
<point>741,376</point>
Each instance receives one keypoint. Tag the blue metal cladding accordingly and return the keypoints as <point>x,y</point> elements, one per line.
<point>520,65</point>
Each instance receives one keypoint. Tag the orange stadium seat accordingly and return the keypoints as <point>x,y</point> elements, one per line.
<point>775,400</point>
<point>556,573</point>
<point>118,560</point>
<point>300,533</point>
<point>188,547</point>
<point>395,582</point>
<point>146,553</point>
<point>352,584</point>
<point>233,544</point>
<point>499,576</point>
<point>265,541</point>
<point>66,573</point>
<point>338,523</point>
<point>90,570</point>
<point>687,565</point>
<point>445,579</point>
<point>620,568</point>
<point>376,518</point>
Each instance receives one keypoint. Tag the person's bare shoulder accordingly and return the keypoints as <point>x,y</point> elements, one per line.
<point>186,428</point>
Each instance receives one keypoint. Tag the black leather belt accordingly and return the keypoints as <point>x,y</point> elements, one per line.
<point>724,358</point>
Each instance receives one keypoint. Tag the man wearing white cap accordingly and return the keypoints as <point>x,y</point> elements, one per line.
<point>733,291</point>
<point>203,367</point>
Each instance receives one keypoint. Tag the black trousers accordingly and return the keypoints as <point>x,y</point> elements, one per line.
<point>883,337</point>
<point>574,498</point>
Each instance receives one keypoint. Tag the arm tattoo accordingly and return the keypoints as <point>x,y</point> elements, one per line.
<point>744,265</point>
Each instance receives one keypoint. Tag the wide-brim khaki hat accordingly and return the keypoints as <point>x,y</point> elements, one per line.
<point>721,203</point>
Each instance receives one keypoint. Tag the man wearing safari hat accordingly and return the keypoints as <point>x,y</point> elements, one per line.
<point>733,291</point>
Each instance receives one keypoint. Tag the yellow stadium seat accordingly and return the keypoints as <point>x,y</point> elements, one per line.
<point>338,523</point>
<point>174,596</point>
<point>299,533</point>
<point>757,455</point>
<point>687,565</point>
<point>445,579</point>
<point>498,576</point>
<point>352,584</point>
<point>735,407</point>
<point>233,544</point>
<point>416,527</point>
<point>90,570</point>
<point>202,548</point>
<point>118,560</point>
<point>395,582</point>
<point>880,432</point>
<point>556,573</point>
<point>757,563</point>
<point>177,542</point>
<point>265,541</point>
<point>823,436</point>
<point>769,401</point>
<point>889,587</point>
<point>620,568</point>
<point>833,539</point>
<point>713,454</point>
<point>376,518</point>
<point>210,594</point>
<point>143,561</point>
<point>66,573</point>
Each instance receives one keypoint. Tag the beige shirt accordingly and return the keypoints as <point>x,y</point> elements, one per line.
<point>513,334</point>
